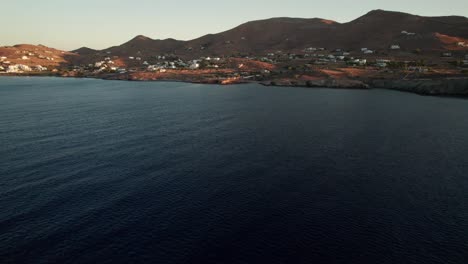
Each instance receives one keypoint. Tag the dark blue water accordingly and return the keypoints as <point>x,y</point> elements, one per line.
<point>122,172</point>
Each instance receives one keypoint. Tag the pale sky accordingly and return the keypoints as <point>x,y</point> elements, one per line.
<point>98,24</point>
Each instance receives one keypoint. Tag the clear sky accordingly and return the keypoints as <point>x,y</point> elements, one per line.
<point>98,24</point>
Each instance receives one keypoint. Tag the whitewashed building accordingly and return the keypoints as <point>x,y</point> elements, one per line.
<point>40,68</point>
<point>194,65</point>
<point>98,64</point>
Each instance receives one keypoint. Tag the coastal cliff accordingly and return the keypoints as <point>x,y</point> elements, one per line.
<point>441,87</point>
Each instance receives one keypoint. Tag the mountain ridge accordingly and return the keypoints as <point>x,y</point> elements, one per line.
<point>377,29</point>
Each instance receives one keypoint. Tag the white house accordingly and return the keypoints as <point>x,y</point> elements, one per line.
<point>40,68</point>
<point>359,61</point>
<point>404,32</point>
<point>98,64</point>
<point>152,68</point>
<point>3,58</point>
<point>25,58</point>
<point>194,65</point>
<point>382,63</point>
<point>395,47</point>
<point>461,44</point>
<point>363,49</point>
<point>368,52</point>
<point>145,63</point>
<point>131,58</point>
<point>138,58</point>
<point>447,54</point>
<point>2,69</point>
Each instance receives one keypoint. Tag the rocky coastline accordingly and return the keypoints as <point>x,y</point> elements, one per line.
<point>448,86</point>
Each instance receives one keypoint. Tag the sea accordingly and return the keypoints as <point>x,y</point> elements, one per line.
<point>95,171</point>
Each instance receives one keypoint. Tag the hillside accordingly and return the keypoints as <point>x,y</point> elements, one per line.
<point>33,55</point>
<point>377,30</point>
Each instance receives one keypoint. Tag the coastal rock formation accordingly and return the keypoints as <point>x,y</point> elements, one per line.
<point>442,87</point>
<point>321,83</point>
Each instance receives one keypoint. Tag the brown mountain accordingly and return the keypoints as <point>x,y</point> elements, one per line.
<point>85,51</point>
<point>33,55</point>
<point>258,37</point>
<point>142,45</point>
<point>377,29</point>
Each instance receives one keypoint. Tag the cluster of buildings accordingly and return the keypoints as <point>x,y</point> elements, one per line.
<point>160,63</point>
<point>8,67</point>
<point>106,65</point>
<point>204,62</point>
<point>21,68</point>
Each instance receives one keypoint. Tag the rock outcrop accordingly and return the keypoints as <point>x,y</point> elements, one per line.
<point>441,87</point>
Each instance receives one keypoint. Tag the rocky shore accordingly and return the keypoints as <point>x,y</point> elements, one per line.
<point>449,86</point>
<point>321,83</point>
<point>440,87</point>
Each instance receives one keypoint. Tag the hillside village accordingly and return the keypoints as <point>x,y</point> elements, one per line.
<point>309,59</point>
<point>243,54</point>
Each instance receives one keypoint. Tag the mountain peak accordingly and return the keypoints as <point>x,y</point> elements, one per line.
<point>141,38</point>
<point>380,12</point>
<point>84,51</point>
